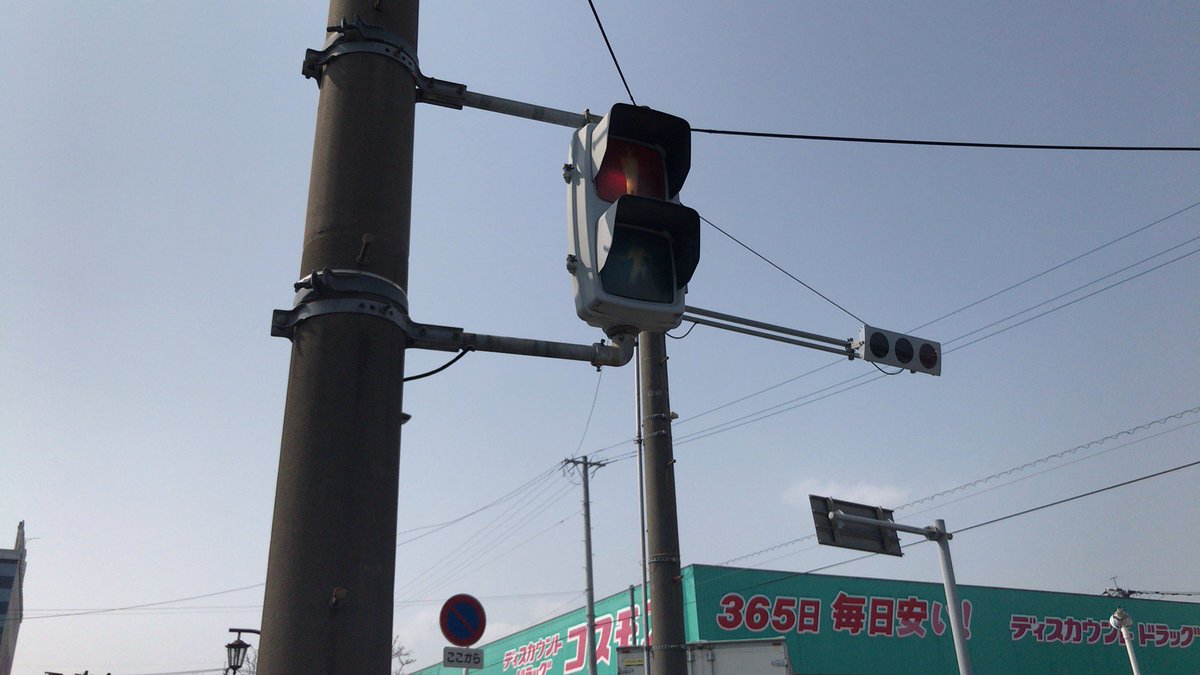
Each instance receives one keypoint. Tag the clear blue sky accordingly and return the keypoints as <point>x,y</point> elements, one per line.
<point>154,163</point>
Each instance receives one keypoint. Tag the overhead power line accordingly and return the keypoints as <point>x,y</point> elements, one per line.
<point>1007,472</point>
<point>952,144</point>
<point>611,53</point>
<point>591,411</point>
<point>1060,265</point>
<point>791,575</point>
<point>436,527</point>
<point>1079,496</point>
<point>1020,513</point>
<point>148,604</point>
<point>1053,456</point>
<point>793,277</point>
<point>1072,302</point>
<point>747,419</point>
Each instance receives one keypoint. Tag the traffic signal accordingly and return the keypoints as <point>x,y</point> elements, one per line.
<point>632,247</point>
<point>897,349</point>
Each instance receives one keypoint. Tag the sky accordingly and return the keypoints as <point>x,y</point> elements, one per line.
<point>154,164</point>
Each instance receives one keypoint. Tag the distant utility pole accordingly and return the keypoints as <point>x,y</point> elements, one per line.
<point>668,654</point>
<point>584,469</point>
<point>331,570</point>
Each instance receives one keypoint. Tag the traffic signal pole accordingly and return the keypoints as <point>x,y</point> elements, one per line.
<point>668,653</point>
<point>331,569</point>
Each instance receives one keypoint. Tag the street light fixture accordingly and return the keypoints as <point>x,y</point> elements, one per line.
<point>235,652</point>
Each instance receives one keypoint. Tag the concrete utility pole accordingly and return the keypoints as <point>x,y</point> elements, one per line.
<point>585,469</point>
<point>331,571</point>
<point>668,654</point>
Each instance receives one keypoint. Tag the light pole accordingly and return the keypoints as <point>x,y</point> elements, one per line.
<point>235,652</point>
<point>1122,622</point>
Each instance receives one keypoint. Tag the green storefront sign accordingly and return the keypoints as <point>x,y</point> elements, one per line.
<point>854,625</point>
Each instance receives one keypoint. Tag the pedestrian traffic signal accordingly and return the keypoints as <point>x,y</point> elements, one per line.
<point>902,351</point>
<point>632,247</point>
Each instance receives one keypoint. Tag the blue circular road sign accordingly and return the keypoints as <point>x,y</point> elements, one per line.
<point>463,620</point>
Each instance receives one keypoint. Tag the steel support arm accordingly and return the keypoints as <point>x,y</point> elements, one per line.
<point>344,291</point>
<point>791,336</point>
<point>931,533</point>
<point>449,339</point>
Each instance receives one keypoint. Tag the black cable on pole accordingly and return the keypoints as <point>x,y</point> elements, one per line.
<point>439,369</point>
<point>595,396</point>
<point>789,274</point>
<point>952,144</point>
<point>611,53</point>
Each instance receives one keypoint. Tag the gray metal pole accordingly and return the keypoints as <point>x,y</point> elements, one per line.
<point>953,607</point>
<point>668,654</point>
<point>645,613</point>
<point>587,566</point>
<point>1121,620</point>
<point>332,562</point>
<point>1133,663</point>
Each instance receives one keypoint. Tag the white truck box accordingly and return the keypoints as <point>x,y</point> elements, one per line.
<point>734,657</point>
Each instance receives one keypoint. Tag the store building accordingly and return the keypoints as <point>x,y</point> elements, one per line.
<point>835,624</point>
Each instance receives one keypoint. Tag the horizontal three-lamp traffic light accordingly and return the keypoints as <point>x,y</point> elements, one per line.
<point>632,247</point>
<point>897,349</point>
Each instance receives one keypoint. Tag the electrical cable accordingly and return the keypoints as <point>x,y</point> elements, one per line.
<point>789,274</point>
<point>1060,454</point>
<point>611,53</point>
<point>476,540</point>
<point>478,544</point>
<point>443,525</point>
<point>1079,496</point>
<point>148,604</point>
<point>1068,304</point>
<point>761,391</point>
<point>1053,468</point>
<point>1025,512</point>
<point>783,407</point>
<point>486,549</point>
<point>1053,456</point>
<point>591,411</point>
<point>680,337</point>
<point>1058,266</point>
<point>519,505</point>
<point>778,409</point>
<point>1129,431</point>
<point>790,575</point>
<point>511,596</point>
<point>439,369</point>
<point>952,144</point>
<point>1079,288</point>
<point>490,554</point>
<point>944,316</point>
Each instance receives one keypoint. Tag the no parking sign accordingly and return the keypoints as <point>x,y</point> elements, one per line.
<point>463,620</point>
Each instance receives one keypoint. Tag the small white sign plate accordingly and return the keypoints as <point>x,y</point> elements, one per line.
<point>462,657</point>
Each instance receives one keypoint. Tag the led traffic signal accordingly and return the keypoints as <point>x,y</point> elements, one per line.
<point>632,247</point>
<point>897,349</point>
